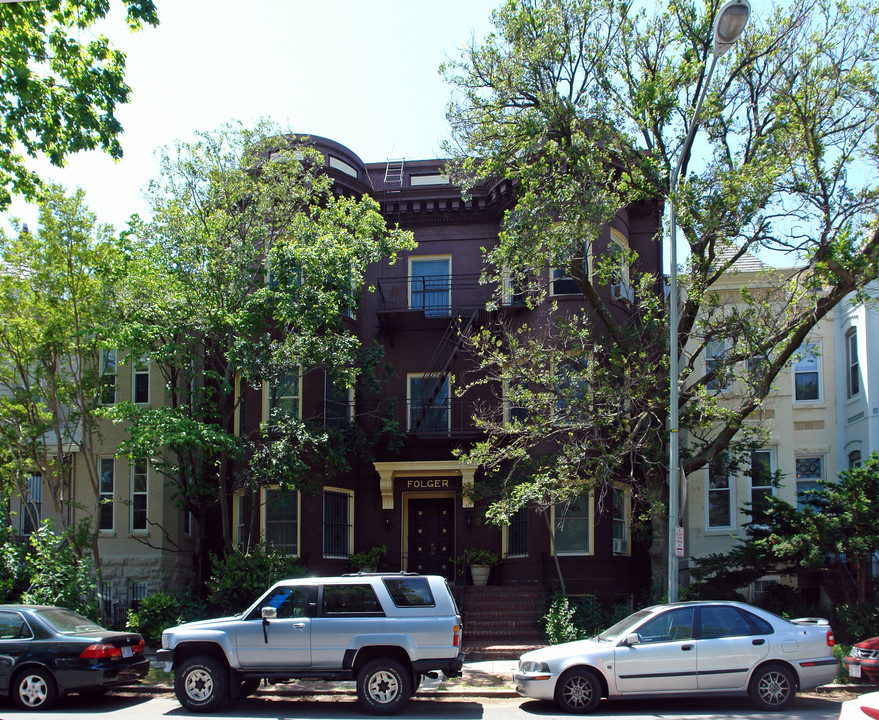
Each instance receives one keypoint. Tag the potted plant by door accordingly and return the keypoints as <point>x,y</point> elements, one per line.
<point>368,560</point>
<point>480,561</point>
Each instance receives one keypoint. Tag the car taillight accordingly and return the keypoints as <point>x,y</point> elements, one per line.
<point>870,712</point>
<point>831,641</point>
<point>138,648</point>
<point>100,651</point>
<point>456,637</point>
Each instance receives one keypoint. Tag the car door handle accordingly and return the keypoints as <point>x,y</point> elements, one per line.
<point>687,647</point>
<point>758,642</point>
<point>299,625</point>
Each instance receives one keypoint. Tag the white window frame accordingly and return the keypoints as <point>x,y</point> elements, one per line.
<point>265,500</point>
<point>430,310</point>
<point>139,369</point>
<point>140,469</point>
<point>108,368</point>
<point>270,400</point>
<point>730,493</point>
<point>621,531</point>
<point>350,522</point>
<point>622,242</point>
<point>711,355</point>
<point>559,517</point>
<point>809,482</point>
<point>852,364</point>
<point>107,496</point>
<point>772,469</point>
<point>806,354</point>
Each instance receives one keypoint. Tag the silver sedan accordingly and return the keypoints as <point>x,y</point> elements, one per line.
<point>696,648</point>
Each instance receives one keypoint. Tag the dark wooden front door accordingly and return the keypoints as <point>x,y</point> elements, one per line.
<point>432,536</point>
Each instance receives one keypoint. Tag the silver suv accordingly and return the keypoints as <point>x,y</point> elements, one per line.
<point>383,631</point>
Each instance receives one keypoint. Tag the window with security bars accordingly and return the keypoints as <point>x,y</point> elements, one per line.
<point>137,591</point>
<point>337,524</point>
<point>810,472</point>
<point>517,534</point>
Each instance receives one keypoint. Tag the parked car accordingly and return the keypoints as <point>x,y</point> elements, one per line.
<point>865,707</point>
<point>48,652</point>
<point>717,648</point>
<point>863,663</point>
<point>383,631</point>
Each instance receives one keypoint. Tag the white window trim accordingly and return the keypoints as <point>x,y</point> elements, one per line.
<point>141,366</point>
<point>852,335</point>
<point>103,496</point>
<point>819,370</point>
<point>267,398</point>
<point>591,551</point>
<point>627,521</point>
<point>350,494</point>
<point>414,260</point>
<point>102,373</point>
<point>263,516</point>
<point>731,490</point>
<point>623,243</point>
<point>773,468</point>
<point>145,493</point>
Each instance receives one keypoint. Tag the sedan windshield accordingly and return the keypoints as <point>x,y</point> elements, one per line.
<point>614,631</point>
<point>68,622</point>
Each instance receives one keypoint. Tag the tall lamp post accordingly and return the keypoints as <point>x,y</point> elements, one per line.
<point>728,26</point>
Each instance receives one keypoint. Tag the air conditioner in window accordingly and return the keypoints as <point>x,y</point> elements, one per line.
<point>623,292</point>
<point>619,546</point>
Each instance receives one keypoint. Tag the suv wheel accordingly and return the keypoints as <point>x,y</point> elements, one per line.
<point>201,684</point>
<point>383,686</point>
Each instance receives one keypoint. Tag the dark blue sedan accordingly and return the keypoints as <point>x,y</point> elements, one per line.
<point>47,652</point>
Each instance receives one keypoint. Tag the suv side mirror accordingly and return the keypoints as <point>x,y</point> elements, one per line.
<point>269,613</point>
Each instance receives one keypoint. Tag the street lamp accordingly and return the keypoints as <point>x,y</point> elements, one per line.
<point>728,26</point>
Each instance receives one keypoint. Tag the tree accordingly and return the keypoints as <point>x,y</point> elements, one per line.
<point>835,531</point>
<point>585,104</point>
<point>58,93</point>
<point>55,308</point>
<point>241,278</point>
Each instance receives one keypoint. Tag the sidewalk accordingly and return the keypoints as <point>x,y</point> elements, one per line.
<point>485,678</point>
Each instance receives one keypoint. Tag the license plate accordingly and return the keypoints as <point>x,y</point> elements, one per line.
<point>128,652</point>
<point>854,670</point>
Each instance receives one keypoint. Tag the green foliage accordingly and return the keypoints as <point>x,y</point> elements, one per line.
<point>237,579</point>
<point>839,520</point>
<point>478,556</point>
<point>60,85</point>
<point>558,622</point>
<point>585,105</point>
<point>159,611</point>
<point>579,618</point>
<point>59,571</point>
<point>368,558</point>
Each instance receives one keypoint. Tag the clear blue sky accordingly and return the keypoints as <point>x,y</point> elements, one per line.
<point>363,73</point>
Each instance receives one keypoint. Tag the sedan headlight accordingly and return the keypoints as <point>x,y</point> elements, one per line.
<point>530,666</point>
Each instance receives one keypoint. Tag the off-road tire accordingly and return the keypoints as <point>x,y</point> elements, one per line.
<point>201,684</point>
<point>384,685</point>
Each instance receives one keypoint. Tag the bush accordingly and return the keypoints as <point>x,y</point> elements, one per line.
<point>238,579</point>
<point>156,612</point>
<point>559,624</point>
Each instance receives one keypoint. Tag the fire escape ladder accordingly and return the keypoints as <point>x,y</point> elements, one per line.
<point>441,362</point>
<point>394,172</point>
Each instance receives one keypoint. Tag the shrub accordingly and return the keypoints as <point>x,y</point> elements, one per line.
<point>368,558</point>
<point>156,612</point>
<point>559,624</point>
<point>238,579</point>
